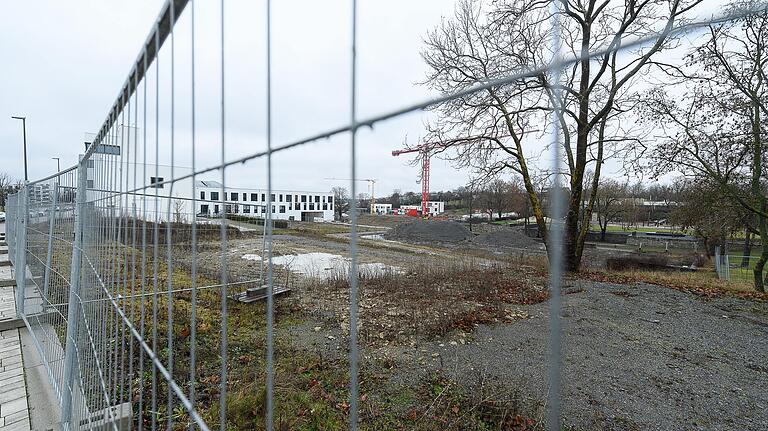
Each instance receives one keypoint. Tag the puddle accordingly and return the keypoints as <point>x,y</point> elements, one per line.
<point>324,265</point>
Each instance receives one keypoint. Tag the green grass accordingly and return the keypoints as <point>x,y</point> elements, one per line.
<point>614,228</point>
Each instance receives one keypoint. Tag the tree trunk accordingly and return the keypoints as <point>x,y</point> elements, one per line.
<point>602,233</point>
<point>747,249</point>
<point>758,271</point>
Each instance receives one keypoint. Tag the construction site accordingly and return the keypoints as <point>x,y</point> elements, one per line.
<point>466,215</point>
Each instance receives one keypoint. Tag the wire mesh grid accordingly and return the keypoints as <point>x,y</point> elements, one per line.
<point>112,283</point>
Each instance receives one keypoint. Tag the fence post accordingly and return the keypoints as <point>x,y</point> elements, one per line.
<point>20,266</point>
<point>70,352</point>
<point>717,261</point>
<point>49,258</point>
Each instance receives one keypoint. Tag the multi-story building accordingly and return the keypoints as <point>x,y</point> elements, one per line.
<point>285,204</point>
<point>111,189</point>
<point>382,208</point>
<point>433,208</point>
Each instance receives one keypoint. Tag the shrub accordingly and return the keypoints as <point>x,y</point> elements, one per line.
<point>630,262</point>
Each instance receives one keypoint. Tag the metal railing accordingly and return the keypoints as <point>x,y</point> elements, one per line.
<point>98,250</point>
<point>734,267</point>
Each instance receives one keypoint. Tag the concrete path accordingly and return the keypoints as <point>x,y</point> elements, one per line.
<point>14,411</point>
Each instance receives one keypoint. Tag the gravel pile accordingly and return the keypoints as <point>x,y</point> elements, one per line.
<point>510,237</point>
<point>430,231</point>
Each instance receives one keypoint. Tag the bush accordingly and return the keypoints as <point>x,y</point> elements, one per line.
<point>279,224</point>
<point>631,262</point>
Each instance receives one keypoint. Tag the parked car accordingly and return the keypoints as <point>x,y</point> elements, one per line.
<point>2,216</point>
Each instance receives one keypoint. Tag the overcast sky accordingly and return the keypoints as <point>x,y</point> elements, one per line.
<point>64,63</point>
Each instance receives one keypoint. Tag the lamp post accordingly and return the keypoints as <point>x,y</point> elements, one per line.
<point>24,126</point>
<point>58,163</point>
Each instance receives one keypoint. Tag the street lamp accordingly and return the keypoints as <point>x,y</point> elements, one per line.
<point>58,163</point>
<point>24,126</point>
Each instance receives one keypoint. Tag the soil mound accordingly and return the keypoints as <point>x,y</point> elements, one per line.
<point>430,231</point>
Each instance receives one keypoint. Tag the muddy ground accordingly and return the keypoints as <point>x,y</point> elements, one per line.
<point>636,357</point>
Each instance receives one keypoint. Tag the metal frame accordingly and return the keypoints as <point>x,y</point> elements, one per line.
<point>98,373</point>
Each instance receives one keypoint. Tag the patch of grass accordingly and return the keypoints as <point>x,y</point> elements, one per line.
<point>700,283</point>
<point>429,299</point>
<point>317,230</point>
<point>438,403</point>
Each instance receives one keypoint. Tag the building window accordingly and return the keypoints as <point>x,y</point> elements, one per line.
<point>304,199</point>
<point>317,199</point>
<point>246,209</point>
<point>311,206</point>
<point>156,180</point>
<point>203,209</point>
<point>254,197</point>
<point>215,197</point>
<point>245,197</point>
<point>91,163</point>
<point>90,184</point>
<point>305,207</point>
<point>215,209</point>
<point>288,198</point>
<point>282,209</point>
<point>233,197</point>
<point>263,209</point>
<point>202,195</point>
<point>227,209</point>
<point>272,197</point>
<point>325,206</point>
<point>330,199</point>
<point>280,197</point>
<point>273,209</point>
<point>262,197</point>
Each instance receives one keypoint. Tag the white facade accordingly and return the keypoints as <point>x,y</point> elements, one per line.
<point>111,189</point>
<point>286,204</point>
<point>382,208</point>
<point>433,208</point>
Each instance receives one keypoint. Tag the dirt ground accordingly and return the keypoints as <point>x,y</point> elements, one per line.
<point>636,356</point>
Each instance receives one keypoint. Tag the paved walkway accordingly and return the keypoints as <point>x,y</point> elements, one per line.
<point>14,411</point>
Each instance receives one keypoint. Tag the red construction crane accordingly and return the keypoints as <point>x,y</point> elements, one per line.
<point>423,151</point>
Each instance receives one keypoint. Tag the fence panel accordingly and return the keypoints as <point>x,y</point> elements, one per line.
<point>107,253</point>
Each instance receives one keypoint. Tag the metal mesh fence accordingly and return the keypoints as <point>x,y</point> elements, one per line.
<point>109,257</point>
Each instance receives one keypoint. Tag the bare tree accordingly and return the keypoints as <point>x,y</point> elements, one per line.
<point>496,197</point>
<point>704,209</point>
<point>499,129</point>
<point>178,211</point>
<point>340,201</point>
<point>608,203</point>
<point>6,187</point>
<point>716,128</point>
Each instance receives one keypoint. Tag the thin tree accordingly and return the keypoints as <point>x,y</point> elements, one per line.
<point>610,194</point>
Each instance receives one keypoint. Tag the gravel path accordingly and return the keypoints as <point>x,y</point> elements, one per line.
<point>636,358</point>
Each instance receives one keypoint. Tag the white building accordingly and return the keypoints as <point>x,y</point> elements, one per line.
<point>382,208</point>
<point>433,208</point>
<point>111,188</point>
<point>286,204</point>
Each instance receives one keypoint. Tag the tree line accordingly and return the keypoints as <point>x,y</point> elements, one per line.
<point>701,117</point>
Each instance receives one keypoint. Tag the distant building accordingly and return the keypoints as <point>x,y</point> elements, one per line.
<point>285,205</point>
<point>433,208</point>
<point>154,197</point>
<point>382,209</point>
